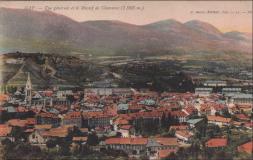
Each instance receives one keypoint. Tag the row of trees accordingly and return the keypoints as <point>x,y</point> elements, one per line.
<point>57,147</point>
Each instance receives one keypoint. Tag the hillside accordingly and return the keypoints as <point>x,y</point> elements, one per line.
<point>46,70</point>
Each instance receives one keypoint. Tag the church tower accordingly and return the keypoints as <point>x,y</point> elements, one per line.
<point>28,90</point>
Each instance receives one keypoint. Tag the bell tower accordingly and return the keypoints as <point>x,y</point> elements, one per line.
<point>28,90</point>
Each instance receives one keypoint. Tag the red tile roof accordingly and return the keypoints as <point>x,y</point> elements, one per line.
<point>29,130</point>
<point>126,127</point>
<point>17,122</point>
<point>31,121</point>
<point>84,130</point>
<point>21,109</point>
<point>121,121</point>
<point>191,110</point>
<point>5,130</point>
<point>73,115</point>
<point>167,141</point>
<point>2,109</point>
<point>219,119</point>
<point>56,132</point>
<point>242,116</point>
<point>246,147</point>
<point>244,106</point>
<point>184,133</point>
<point>179,114</point>
<point>133,141</point>
<point>125,116</point>
<point>98,114</point>
<point>179,127</point>
<point>43,126</point>
<point>210,105</point>
<point>3,97</point>
<point>48,93</point>
<point>153,114</point>
<point>47,115</point>
<point>135,106</point>
<point>248,124</point>
<point>238,124</point>
<point>165,152</point>
<point>217,142</point>
<point>110,110</point>
<point>80,139</point>
<point>164,109</point>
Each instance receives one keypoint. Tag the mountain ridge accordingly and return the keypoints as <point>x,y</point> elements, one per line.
<point>112,36</point>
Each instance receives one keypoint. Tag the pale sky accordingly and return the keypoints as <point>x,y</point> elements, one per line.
<point>233,15</point>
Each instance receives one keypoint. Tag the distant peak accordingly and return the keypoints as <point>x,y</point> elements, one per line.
<point>170,20</point>
<point>166,22</point>
<point>108,22</point>
<point>44,13</point>
<point>239,33</point>
<point>203,27</point>
<point>233,32</point>
<point>194,21</point>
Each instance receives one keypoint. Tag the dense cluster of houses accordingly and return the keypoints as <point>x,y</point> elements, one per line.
<point>119,114</point>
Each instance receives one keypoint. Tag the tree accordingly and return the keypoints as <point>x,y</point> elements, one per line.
<point>213,130</point>
<point>51,143</point>
<point>70,98</point>
<point>76,131</point>
<point>2,152</point>
<point>226,114</point>
<point>234,118</point>
<point>172,133</point>
<point>64,147</point>
<point>118,134</point>
<point>223,154</point>
<point>164,121</point>
<point>6,142</point>
<point>181,153</point>
<point>217,114</point>
<point>73,133</point>
<point>171,156</point>
<point>17,133</point>
<point>19,149</point>
<point>92,139</point>
<point>195,149</point>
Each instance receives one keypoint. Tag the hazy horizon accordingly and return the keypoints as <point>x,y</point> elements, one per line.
<point>232,16</point>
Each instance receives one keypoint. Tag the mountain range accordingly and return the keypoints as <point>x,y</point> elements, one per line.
<point>34,31</point>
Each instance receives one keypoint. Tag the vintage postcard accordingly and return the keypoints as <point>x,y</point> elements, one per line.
<point>120,80</point>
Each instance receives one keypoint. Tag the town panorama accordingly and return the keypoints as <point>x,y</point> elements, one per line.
<point>109,89</point>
